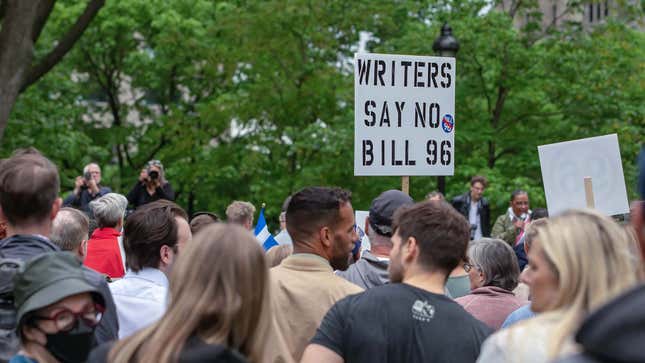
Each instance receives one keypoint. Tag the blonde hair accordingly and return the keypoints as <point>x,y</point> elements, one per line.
<point>276,254</point>
<point>218,292</point>
<point>240,212</point>
<point>593,258</point>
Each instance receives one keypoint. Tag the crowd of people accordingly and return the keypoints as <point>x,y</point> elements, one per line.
<point>81,282</point>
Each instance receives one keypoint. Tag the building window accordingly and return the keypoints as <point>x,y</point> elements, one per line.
<point>598,12</point>
<point>590,13</point>
<point>606,9</point>
<point>555,12</point>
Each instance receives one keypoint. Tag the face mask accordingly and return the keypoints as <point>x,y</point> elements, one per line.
<point>72,346</point>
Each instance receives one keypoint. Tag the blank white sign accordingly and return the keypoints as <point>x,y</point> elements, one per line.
<point>566,164</point>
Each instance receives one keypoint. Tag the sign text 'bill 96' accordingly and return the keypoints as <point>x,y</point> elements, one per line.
<point>404,115</point>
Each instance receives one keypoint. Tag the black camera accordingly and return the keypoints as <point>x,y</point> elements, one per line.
<point>154,175</point>
<point>87,176</point>
<point>473,229</point>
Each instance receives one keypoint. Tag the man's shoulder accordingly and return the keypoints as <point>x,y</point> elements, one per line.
<point>461,198</point>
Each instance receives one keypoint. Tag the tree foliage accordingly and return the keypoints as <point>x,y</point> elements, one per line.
<point>252,100</point>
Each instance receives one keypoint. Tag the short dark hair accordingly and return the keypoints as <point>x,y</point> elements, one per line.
<point>517,192</point>
<point>441,232</point>
<point>149,228</point>
<point>312,208</point>
<point>479,179</point>
<point>29,185</point>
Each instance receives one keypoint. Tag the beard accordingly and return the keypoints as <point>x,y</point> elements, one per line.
<point>395,269</point>
<point>340,262</point>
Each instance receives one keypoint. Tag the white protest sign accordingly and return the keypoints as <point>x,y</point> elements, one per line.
<point>566,164</point>
<point>404,115</point>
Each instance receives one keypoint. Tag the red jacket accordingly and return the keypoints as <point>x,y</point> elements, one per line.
<point>103,253</point>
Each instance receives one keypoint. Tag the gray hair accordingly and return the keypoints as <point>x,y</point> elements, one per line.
<point>69,229</point>
<point>109,209</point>
<point>87,167</point>
<point>240,212</point>
<point>497,260</point>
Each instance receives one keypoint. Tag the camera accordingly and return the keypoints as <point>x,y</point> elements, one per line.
<point>473,229</point>
<point>87,176</point>
<point>154,175</point>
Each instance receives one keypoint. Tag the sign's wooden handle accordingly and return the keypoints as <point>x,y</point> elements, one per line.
<point>589,193</point>
<point>405,184</point>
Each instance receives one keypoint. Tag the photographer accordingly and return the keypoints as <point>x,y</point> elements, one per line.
<point>152,185</point>
<point>86,189</point>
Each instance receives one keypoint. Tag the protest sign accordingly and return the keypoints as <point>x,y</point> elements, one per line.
<point>565,166</point>
<point>404,115</point>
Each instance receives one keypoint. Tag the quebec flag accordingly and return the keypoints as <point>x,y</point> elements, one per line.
<point>262,233</point>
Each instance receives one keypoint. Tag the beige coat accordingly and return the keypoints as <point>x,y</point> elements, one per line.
<point>303,288</point>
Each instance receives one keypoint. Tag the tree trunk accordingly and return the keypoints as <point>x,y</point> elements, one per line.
<point>22,23</point>
<point>16,52</point>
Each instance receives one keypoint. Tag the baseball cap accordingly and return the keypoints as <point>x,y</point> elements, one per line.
<point>383,208</point>
<point>49,278</point>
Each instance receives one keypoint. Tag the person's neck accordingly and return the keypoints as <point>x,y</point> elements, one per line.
<point>429,281</point>
<point>41,230</point>
<point>473,199</point>
<point>380,251</point>
<point>308,248</point>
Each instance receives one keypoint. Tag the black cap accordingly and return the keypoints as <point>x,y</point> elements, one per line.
<point>383,208</point>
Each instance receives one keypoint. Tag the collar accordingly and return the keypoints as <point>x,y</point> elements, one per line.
<point>512,215</point>
<point>150,274</point>
<point>306,262</point>
<point>491,290</point>
<point>105,232</point>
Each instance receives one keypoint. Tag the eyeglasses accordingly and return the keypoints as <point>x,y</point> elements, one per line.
<point>467,267</point>
<point>65,319</point>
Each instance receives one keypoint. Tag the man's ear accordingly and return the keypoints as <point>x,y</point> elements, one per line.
<point>55,208</point>
<point>324,233</point>
<point>410,250</point>
<point>82,249</point>
<point>165,254</point>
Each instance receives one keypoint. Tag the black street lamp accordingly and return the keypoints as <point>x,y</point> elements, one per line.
<point>446,46</point>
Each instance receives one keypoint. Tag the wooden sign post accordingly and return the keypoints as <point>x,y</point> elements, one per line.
<point>405,184</point>
<point>589,192</point>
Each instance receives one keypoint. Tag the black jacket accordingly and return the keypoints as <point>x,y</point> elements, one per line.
<point>614,333</point>
<point>139,196</point>
<point>462,205</point>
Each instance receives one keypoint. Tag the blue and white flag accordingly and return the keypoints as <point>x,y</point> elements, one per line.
<point>262,233</point>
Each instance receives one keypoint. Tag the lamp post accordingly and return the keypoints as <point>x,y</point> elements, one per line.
<point>445,45</point>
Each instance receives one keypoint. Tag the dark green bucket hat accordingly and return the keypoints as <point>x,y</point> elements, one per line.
<point>47,279</point>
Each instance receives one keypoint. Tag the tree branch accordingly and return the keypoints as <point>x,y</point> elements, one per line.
<point>42,14</point>
<point>480,73</point>
<point>65,44</point>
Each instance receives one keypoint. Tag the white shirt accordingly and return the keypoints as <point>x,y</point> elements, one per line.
<point>473,218</point>
<point>140,298</point>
